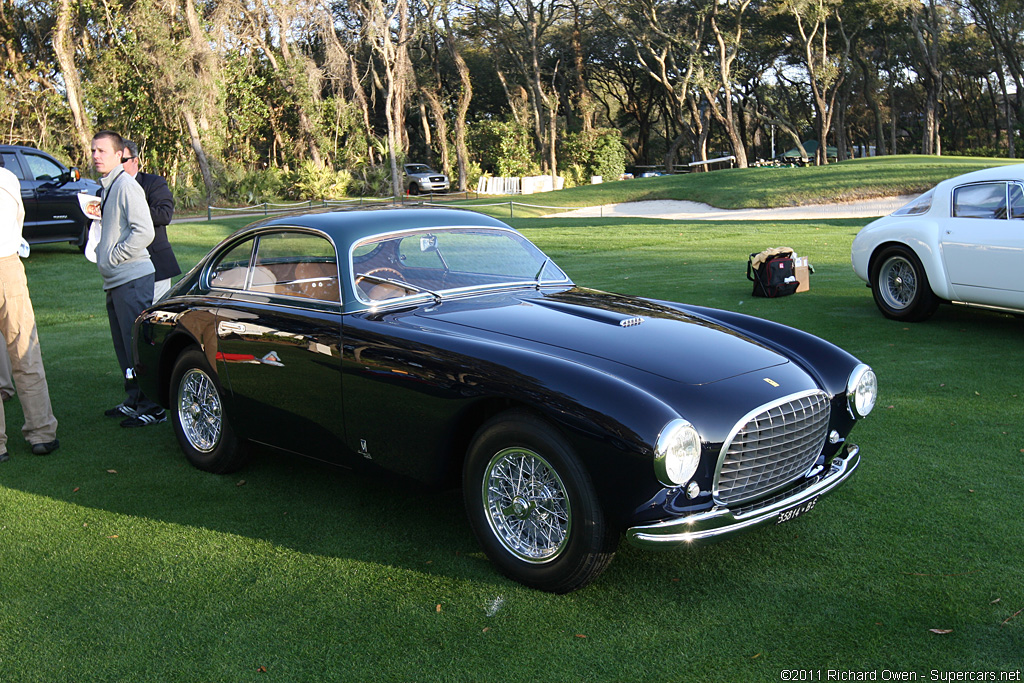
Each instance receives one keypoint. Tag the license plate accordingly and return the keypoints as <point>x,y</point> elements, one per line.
<point>794,512</point>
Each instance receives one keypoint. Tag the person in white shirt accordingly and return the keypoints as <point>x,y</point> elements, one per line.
<point>18,326</point>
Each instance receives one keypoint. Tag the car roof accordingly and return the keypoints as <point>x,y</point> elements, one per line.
<point>1002,172</point>
<point>347,226</point>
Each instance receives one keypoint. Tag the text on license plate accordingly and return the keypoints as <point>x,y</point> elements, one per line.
<point>794,512</point>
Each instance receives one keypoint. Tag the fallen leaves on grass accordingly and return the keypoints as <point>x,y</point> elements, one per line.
<point>241,483</point>
<point>1007,619</point>
<point>111,471</point>
<point>941,631</point>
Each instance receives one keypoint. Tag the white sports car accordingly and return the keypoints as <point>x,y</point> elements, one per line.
<point>960,242</point>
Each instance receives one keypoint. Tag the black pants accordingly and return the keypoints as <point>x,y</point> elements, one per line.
<point>124,304</point>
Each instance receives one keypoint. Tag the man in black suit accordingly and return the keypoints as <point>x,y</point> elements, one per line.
<point>161,208</point>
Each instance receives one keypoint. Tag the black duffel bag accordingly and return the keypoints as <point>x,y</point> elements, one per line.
<point>772,272</point>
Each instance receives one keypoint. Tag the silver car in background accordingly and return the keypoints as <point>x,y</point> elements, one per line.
<point>420,179</point>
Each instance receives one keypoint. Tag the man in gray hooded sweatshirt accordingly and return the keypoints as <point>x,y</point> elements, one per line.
<point>121,255</point>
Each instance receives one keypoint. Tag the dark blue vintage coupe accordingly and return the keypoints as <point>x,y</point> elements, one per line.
<point>442,345</point>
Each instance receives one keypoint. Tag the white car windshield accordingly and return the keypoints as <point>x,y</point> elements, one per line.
<point>435,261</point>
<point>419,168</point>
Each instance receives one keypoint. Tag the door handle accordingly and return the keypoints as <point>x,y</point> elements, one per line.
<point>226,328</point>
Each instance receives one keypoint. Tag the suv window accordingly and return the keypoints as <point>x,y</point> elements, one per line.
<point>43,168</point>
<point>13,165</point>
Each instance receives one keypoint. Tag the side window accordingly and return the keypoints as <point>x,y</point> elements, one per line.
<point>43,168</point>
<point>231,270</point>
<point>983,200</point>
<point>1016,201</point>
<point>296,264</point>
<point>13,165</point>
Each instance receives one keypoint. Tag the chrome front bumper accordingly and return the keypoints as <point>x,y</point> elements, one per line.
<point>718,522</point>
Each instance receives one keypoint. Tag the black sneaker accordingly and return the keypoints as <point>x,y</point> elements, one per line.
<point>121,410</point>
<point>46,448</point>
<point>150,417</point>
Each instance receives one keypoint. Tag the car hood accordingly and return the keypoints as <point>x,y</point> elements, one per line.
<point>633,332</point>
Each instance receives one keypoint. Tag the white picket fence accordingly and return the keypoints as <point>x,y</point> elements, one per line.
<point>527,185</point>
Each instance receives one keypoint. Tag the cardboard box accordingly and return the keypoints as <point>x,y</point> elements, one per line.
<point>802,270</point>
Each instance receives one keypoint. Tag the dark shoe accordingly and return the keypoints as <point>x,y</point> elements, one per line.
<point>45,448</point>
<point>121,410</point>
<point>4,457</point>
<point>151,417</point>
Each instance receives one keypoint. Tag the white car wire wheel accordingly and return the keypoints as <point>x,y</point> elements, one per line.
<point>900,286</point>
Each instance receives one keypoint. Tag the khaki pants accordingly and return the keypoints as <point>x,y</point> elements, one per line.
<point>18,326</point>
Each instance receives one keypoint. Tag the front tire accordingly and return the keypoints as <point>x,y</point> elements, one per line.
<point>200,422</point>
<point>533,507</point>
<point>414,189</point>
<point>900,286</point>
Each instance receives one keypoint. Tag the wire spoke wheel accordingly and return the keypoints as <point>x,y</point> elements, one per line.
<point>200,415</point>
<point>532,505</point>
<point>200,410</point>
<point>898,282</point>
<point>526,505</point>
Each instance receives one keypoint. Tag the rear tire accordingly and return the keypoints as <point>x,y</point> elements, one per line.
<point>533,507</point>
<point>900,286</point>
<point>200,421</point>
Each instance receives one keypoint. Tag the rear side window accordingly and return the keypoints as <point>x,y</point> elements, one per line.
<point>232,270</point>
<point>13,165</point>
<point>982,200</point>
<point>286,264</point>
<point>298,265</point>
<point>916,207</point>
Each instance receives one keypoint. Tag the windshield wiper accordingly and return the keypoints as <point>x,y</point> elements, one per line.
<point>400,283</point>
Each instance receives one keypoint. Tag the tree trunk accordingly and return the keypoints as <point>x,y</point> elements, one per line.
<point>197,148</point>
<point>462,108</point>
<point>65,53</point>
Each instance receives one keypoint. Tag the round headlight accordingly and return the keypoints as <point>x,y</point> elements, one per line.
<point>862,391</point>
<point>677,453</point>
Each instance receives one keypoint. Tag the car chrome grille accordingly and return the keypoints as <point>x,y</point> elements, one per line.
<point>772,447</point>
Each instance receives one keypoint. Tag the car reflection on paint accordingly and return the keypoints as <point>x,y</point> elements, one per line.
<point>442,346</point>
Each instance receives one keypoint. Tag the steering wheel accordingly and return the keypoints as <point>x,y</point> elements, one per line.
<point>382,269</point>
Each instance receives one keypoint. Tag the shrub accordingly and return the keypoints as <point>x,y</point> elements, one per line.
<point>253,186</point>
<point>311,181</point>
<point>187,196</point>
<point>608,155</point>
<point>504,147</point>
<point>372,180</point>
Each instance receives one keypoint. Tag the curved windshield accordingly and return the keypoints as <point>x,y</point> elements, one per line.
<point>434,261</point>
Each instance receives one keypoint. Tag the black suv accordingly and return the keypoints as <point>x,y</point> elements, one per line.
<point>50,192</point>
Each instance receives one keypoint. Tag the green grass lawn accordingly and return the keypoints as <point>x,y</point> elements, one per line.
<point>768,187</point>
<point>120,562</point>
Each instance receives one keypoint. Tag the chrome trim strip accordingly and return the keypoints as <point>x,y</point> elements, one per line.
<point>988,307</point>
<point>720,522</point>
